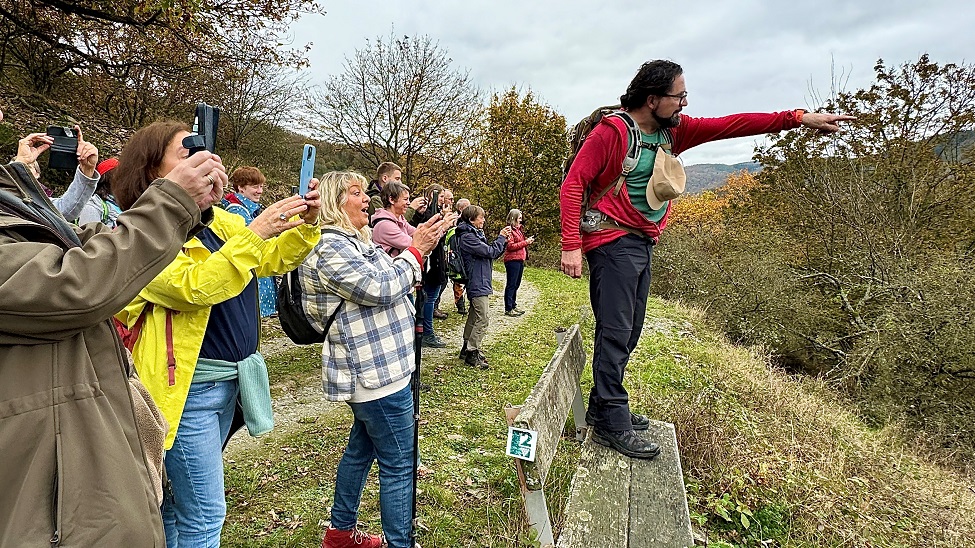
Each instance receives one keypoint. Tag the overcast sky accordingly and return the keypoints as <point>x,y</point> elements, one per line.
<point>738,56</point>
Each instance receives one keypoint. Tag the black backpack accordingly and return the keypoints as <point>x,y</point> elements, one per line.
<point>455,261</point>
<point>291,310</point>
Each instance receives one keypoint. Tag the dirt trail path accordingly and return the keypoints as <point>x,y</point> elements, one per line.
<point>294,404</point>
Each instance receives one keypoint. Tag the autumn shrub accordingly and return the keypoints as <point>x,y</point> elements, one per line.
<point>772,459</point>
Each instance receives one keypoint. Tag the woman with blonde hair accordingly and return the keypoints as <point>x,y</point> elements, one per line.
<point>368,355</point>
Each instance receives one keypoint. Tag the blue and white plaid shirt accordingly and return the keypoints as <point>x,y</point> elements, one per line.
<point>371,339</point>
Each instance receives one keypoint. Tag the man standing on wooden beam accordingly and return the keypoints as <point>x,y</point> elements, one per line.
<point>621,177</point>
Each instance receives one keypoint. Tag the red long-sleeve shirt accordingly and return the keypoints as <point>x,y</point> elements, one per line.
<point>600,161</point>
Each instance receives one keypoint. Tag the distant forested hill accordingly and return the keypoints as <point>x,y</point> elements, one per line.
<point>702,177</point>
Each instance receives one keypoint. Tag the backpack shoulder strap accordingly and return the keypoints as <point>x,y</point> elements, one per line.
<point>630,161</point>
<point>293,276</point>
<point>375,221</point>
<point>37,208</point>
<point>331,319</point>
<point>106,218</point>
<point>342,233</point>
<point>632,142</point>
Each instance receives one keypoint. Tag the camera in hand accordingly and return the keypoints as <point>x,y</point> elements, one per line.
<point>64,151</point>
<point>205,124</point>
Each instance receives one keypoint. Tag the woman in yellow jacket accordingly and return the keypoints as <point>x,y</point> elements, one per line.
<point>197,325</point>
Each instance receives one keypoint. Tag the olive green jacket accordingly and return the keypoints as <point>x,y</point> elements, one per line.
<point>72,468</point>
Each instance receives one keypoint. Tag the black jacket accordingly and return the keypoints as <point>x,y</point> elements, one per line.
<point>435,272</point>
<point>478,255</point>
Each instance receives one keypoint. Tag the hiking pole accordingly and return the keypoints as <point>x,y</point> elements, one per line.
<point>415,384</point>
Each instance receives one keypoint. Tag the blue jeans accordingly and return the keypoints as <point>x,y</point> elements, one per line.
<point>432,292</point>
<point>513,271</point>
<point>382,431</point>
<point>193,514</point>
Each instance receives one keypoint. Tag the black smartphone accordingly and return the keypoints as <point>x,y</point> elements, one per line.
<point>434,205</point>
<point>64,151</point>
<point>205,123</point>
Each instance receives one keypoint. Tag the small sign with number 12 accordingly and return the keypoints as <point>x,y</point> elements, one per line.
<point>521,443</point>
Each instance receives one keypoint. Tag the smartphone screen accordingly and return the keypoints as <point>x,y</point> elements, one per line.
<point>307,169</point>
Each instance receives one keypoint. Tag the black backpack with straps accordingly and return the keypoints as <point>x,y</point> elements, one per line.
<point>291,309</point>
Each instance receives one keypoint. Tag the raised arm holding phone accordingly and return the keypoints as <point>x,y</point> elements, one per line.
<point>198,321</point>
<point>69,426</point>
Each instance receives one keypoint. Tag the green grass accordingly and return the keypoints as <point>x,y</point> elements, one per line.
<point>279,493</point>
<point>769,460</point>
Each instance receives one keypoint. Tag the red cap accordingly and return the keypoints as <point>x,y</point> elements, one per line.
<point>105,166</point>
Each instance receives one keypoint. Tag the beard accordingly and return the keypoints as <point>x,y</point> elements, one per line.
<point>666,123</point>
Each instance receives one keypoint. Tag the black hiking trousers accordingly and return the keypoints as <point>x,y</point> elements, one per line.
<point>619,282</point>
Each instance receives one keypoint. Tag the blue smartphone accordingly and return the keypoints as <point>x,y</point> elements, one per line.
<point>307,169</point>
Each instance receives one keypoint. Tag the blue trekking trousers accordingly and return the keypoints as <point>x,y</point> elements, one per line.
<point>619,282</point>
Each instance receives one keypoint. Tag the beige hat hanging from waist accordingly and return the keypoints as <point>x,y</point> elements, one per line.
<point>668,179</point>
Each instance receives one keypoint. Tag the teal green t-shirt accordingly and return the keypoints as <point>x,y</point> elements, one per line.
<point>637,180</point>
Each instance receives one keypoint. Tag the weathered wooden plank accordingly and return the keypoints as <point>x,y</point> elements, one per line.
<point>547,407</point>
<point>599,501</point>
<point>658,502</point>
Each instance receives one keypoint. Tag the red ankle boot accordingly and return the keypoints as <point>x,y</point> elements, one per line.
<point>337,538</point>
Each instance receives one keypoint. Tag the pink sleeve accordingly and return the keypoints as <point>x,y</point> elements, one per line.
<point>388,234</point>
<point>517,242</point>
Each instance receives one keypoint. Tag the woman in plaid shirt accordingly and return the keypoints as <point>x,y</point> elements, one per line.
<point>368,355</point>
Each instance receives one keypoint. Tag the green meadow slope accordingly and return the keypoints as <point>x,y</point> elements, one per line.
<point>769,459</point>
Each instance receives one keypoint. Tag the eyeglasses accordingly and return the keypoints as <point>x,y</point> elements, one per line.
<point>682,96</point>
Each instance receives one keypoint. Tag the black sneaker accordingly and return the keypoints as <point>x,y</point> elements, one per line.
<point>433,341</point>
<point>626,442</point>
<point>638,422</point>
<point>463,352</point>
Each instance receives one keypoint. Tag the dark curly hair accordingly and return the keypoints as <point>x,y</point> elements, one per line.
<point>654,78</point>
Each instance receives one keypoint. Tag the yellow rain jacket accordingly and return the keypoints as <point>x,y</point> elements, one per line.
<point>188,287</point>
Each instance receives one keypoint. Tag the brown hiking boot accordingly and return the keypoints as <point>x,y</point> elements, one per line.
<point>476,359</point>
<point>337,538</point>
